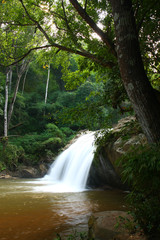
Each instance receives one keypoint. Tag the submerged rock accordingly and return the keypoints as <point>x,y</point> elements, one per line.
<point>102,225</point>
<point>105,226</point>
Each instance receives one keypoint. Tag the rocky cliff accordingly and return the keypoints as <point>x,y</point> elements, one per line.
<point>111,145</point>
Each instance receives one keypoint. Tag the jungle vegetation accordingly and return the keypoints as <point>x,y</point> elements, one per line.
<point>71,65</point>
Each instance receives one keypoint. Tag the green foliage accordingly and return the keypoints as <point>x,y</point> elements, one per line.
<point>2,166</point>
<point>39,146</point>
<point>88,109</point>
<point>114,91</point>
<point>54,130</point>
<point>52,144</point>
<point>66,99</point>
<point>67,131</point>
<point>155,79</point>
<point>141,170</point>
<point>11,156</point>
<point>20,112</point>
<point>148,27</point>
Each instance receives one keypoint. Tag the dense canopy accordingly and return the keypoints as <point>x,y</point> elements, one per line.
<point>106,33</point>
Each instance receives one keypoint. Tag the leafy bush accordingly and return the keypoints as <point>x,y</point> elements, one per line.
<point>53,144</point>
<point>66,99</point>
<point>11,156</point>
<point>54,130</point>
<point>38,147</point>
<point>141,169</point>
<point>2,166</point>
<point>68,132</point>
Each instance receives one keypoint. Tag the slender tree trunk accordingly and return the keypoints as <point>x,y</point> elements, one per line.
<point>19,75</point>
<point>136,83</point>
<point>6,105</point>
<point>47,84</point>
<point>24,80</point>
<point>10,80</point>
<point>13,100</point>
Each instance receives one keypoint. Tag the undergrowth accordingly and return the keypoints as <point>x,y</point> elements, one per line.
<point>141,170</point>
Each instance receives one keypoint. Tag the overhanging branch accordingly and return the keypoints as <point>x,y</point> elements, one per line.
<point>88,55</point>
<point>93,57</point>
<point>93,25</point>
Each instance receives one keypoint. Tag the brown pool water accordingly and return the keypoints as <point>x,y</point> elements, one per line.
<point>26,214</point>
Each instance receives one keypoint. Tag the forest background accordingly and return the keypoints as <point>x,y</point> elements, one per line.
<point>62,71</point>
<point>41,126</point>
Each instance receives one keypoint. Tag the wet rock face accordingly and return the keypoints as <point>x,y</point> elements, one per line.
<point>104,175</point>
<point>104,171</point>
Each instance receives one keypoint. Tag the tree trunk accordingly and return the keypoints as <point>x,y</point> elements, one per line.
<point>10,80</point>
<point>6,105</point>
<point>136,83</point>
<point>24,80</point>
<point>47,83</point>
<point>13,100</point>
<point>19,75</point>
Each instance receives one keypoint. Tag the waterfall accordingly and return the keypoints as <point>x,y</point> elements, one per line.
<point>69,172</point>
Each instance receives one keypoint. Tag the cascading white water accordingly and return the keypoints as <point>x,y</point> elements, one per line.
<point>69,172</point>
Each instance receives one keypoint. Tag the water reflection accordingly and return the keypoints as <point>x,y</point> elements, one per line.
<point>26,214</point>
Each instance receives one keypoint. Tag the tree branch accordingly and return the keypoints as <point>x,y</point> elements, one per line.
<point>56,14</point>
<point>93,25</point>
<point>73,36</point>
<point>17,24</point>
<point>37,23</point>
<point>85,6</point>
<point>17,125</point>
<point>96,59</point>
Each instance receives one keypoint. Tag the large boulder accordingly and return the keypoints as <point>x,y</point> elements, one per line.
<point>108,226</point>
<point>31,172</point>
<point>103,174</point>
<point>28,172</point>
<point>123,136</point>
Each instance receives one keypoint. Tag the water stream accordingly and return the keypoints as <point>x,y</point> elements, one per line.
<point>38,209</point>
<point>26,214</point>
